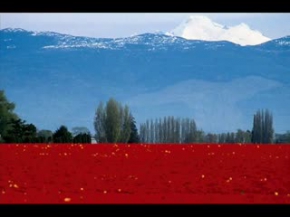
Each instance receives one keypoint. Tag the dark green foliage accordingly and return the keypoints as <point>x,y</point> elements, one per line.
<point>211,138</point>
<point>6,116</point>
<point>169,130</point>
<point>62,135</point>
<point>134,136</point>
<point>44,136</point>
<point>283,138</point>
<point>19,132</point>
<point>112,123</point>
<point>263,131</point>
<point>82,138</point>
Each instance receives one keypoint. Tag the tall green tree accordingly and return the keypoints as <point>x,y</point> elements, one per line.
<point>125,119</point>
<point>7,116</point>
<point>62,135</point>
<point>134,136</point>
<point>263,131</point>
<point>112,122</point>
<point>100,124</point>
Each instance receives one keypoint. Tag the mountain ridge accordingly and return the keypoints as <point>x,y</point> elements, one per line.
<point>131,39</point>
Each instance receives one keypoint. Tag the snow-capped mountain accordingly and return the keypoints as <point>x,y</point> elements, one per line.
<point>203,28</point>
<point>59,79</point>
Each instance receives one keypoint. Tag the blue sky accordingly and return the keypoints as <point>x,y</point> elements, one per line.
<point>112,25</point>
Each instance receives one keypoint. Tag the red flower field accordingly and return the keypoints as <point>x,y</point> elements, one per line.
<point>122,174</point>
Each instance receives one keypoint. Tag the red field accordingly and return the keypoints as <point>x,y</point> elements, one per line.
<point>117,174</point>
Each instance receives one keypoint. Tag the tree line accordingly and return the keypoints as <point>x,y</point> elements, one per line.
<point>15,130</point>
<point>115,123</point>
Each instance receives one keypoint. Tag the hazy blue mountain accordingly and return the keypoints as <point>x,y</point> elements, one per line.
<point>59,79</point>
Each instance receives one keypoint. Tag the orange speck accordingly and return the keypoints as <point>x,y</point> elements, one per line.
<point>288,195</point>
<point>81,189</point>
<point>265,179</point>
<point>219,146</point>
<point>234,152</point>
<point>119,190</point>
<point>113,153</point>
<point>169,181</point>
<point>183,149</point>
<point>67,199</point>
<point>15,186</point>
<point>3,192</point>
<point>202,176</point>
<point>208,146</point>
<point>231,178</point>
<point>276,193</point>
<point>65,154</point>
<point>258,146</point>
<point>126,155</point>
<point>105,192</point>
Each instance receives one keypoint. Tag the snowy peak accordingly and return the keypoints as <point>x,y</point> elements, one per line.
<point>203,28</point>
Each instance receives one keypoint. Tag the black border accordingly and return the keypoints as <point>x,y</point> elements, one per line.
<point>189,6</point>
<point>145,210</point>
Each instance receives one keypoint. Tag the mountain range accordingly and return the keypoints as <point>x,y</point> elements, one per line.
<point>57,79</point>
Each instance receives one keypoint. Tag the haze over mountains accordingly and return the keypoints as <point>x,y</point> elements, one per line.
<point>59,79</point>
